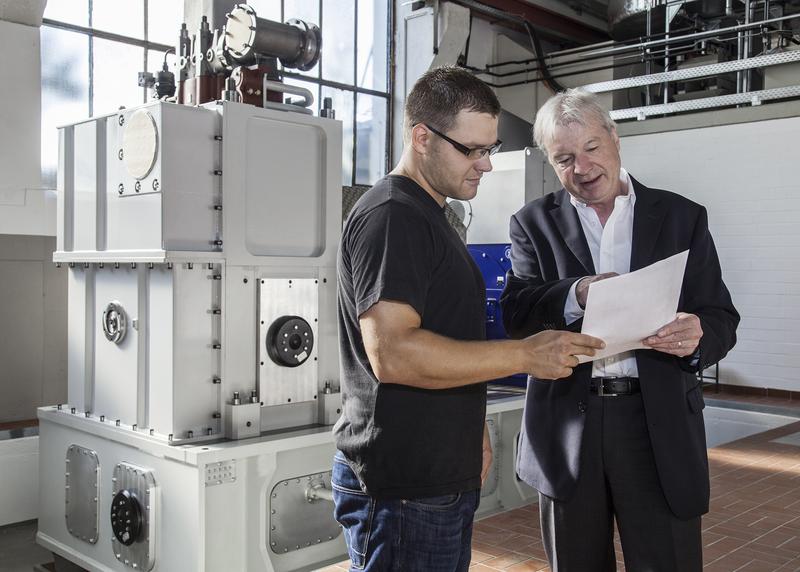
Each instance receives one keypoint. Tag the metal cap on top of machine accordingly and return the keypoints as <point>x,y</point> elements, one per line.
<point>296,43</point>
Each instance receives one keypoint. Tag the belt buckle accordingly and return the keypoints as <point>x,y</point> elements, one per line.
<point>600,388</point>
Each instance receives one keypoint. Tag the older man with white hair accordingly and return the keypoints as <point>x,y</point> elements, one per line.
<point>621,438</point>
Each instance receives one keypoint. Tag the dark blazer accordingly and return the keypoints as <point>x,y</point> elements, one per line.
<point>548,253</point>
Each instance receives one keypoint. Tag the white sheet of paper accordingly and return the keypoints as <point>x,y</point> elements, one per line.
<point>625,309</point>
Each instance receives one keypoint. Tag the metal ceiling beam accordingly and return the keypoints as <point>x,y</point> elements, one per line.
<point>549,23</point>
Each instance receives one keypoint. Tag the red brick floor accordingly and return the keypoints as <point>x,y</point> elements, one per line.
<point>753,524</point>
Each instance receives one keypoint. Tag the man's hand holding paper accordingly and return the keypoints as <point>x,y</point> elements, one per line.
<point>638,310</point>
<point>680,337</point>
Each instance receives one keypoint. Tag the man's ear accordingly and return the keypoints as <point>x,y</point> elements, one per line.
<point>615,137</point>
<point>420,139</point>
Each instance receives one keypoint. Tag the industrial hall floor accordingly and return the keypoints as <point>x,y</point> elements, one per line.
<point>753,524</point>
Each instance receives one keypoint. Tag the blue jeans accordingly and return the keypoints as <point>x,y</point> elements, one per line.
<point>409,535</point>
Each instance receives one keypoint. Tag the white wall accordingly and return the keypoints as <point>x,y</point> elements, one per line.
<point>32,291</point>
<point>746,176</point>
<point>19,473</point>
<point>33,327</point>
<point>25,208</point>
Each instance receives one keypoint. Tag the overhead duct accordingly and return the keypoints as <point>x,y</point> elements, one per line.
<point>628,19</point>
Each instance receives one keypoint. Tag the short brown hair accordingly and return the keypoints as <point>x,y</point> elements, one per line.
<point>441,93</point>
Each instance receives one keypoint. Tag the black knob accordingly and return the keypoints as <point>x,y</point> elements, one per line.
<point>290,341</point>
<point>126,517</point>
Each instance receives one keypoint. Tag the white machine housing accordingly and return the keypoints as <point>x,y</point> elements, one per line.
<point>144,197</point>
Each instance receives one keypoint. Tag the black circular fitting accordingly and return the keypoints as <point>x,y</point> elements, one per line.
<point>290,341</point>
<point>126,517</point>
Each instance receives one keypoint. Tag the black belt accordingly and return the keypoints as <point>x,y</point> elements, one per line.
<point>614,386</point>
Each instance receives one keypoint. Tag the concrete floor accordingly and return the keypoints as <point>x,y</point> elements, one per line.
<point>18,549</point>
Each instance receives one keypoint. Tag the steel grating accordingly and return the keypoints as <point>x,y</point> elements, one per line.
<point>751,97</point>
<point>696,72</point>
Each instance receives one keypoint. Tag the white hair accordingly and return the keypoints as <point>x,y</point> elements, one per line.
<point>566,107</point>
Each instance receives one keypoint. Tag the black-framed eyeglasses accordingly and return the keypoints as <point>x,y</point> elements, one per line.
<point>473,153</point>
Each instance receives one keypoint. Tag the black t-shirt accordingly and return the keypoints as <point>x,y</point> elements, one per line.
<point>405,442</point>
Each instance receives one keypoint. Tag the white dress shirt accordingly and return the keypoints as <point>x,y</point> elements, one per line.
<point>610,246</point>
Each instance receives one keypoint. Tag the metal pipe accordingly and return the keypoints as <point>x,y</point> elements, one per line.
<point>648,67</point>
<point>739,52</point>
<point>588,48</point>
<point>625,59</point>
<point>567,74</point>
<point>665,88</point>
<point>287,107</point>
<point>766,38</point>
<point>297,44</point>
<point>308,97</point>
<point>619,61</point>
<point>747,77</point>
<point>319,491</point>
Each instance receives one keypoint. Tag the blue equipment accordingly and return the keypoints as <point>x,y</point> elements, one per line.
<point>493,260</point>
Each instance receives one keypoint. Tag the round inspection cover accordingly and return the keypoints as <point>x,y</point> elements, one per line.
<point>140,144</point>
<point>114,322</point>
<point>126,517</point>
<point>290,341</point>
<point>240,31</point>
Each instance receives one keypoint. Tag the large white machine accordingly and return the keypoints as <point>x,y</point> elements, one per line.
<point>200,242</point>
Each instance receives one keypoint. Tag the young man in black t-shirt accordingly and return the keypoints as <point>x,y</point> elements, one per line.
<point>413,448</point>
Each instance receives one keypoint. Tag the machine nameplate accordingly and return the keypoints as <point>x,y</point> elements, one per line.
<point>297,520</point>
<point>82,487</point>
<point>219,473</point>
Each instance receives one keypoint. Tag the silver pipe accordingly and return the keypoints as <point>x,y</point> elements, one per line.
<point>746,79</point>
<point>739,52</point>
<point>666,55</point>
<point>297,44</point>
<point>648,66</point>
<point>580,49</point>
<point>317,492</point>
<point>308,97</point>
<point>287,107</point>
<point>766,36</point>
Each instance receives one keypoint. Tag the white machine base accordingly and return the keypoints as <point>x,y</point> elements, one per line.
<point>232,505</point>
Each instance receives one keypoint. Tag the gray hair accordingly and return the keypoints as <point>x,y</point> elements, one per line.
<point>566,107</point>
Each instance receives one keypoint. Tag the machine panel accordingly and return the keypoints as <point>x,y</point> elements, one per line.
<point>300,513</point>
<point>82,493</point>
<point>116,364</point>
<point>288,337</point>
<point>288,218</point>
<point>134,513</point>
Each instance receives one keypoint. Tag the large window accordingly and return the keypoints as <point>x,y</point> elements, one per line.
<point>92,51</point>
